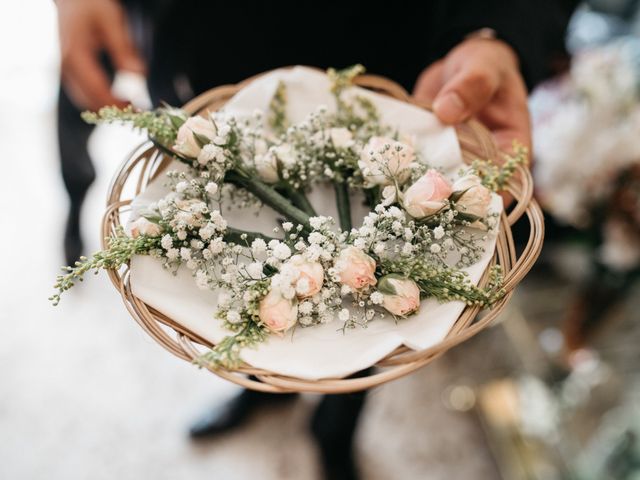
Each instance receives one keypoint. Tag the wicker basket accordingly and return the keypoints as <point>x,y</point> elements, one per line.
<point>146,162</point>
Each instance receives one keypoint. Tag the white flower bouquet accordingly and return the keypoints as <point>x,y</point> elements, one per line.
<point>419,231</point>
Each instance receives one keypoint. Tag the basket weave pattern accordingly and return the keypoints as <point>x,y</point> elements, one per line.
<point>145,163</point>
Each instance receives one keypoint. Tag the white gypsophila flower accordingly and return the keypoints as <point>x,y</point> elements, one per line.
<point>435,248</point>
<point>218,220</point>
<point>192,264</point>
<point>345,290</point>
<point>185,253</point>
<point>224,299</point>
<point>211,188</point>
<point>314,252</point>
<point>343,315</point>
<point>210,152</point>
<point>207,231</point>
<point>196,244</point>
<point>173,254</point>
<point>182,186</point>
<point>216,246</point>
<point>360,243</point>
<point>379,248</point>
<point>305,320</point>
<point>438,232</point>
<point>255,270</point>
<point>316,237</point>
<point>376,298</point>
<point>233,317</point>
<point>287,226</point>
<point>202,281</point>
<point>258,246</point>
<point>317,222</point>
<point>305,308</point>
<point>448,243</point>
<point>407,249</point>
<point>300,246</point>
<point>281,251</point>
<point>166,242</point>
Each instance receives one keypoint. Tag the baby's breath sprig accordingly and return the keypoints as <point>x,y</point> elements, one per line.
<point>495,177</point>
<point>119,251</point>
<point>246,325</point>
<point>227,353</point>
<point>161,124</point>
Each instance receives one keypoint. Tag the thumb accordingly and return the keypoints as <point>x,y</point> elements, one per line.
<point>118,42</point>
<point>465,93</point>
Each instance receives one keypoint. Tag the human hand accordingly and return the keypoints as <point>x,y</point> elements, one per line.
<point>479,77</point>
<point>87,28</point>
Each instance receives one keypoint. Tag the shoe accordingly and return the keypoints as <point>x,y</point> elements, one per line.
<point>73,245</point>
<point>235,412</point>
<point>333,427</point>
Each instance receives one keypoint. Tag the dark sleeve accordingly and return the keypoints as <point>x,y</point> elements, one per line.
<point>535,29</point>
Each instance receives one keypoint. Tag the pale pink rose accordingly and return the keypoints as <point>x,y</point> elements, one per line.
<point>310,276</point>
<point>186,144</point>
<point>355,268</point>
<point>267,167</point>
<point>341,137</point>
<point>142,226</point>
<point>427,196</point>
<point>401,296</point>
<point>383,159</point>
<point>475,198</point>
<point>277,313</point>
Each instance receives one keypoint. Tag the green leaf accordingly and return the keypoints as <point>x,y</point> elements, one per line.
<point>201,140</point>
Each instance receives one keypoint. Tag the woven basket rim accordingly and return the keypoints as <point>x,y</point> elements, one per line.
<point>145,162</point>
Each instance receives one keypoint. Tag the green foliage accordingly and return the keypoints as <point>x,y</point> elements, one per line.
<point>119,251</point>
<point>161,124</point>
<point>495,177</point>
<point>278,110</point>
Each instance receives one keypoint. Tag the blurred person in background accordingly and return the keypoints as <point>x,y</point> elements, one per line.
<point>466,58</point>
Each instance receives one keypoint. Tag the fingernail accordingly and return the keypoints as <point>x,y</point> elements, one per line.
<point>449,108</point>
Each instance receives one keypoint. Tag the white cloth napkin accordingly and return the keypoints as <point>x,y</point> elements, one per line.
<point>321,351</point>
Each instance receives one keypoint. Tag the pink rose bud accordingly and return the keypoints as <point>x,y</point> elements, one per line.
<point>427,196</point>
<point>277,313</point>
<point>474,198</point>
<point>142,226</point>
<point>401,296</point>
<point>384,160</point>
<point>310,276</point>
<point>355,268</point>
<point>186,142</point>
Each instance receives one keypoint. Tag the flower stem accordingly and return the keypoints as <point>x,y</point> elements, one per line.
<point>372,196</point>
<point>269,196</point>
<point>343,204</point>
<point>299,199</point>
<point>235,235</point>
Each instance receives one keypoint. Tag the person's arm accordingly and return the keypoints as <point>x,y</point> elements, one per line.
<point>88,28</point>
<point>488,77</point>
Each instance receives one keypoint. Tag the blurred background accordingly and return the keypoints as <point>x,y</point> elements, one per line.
<point>552,391</point>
